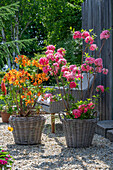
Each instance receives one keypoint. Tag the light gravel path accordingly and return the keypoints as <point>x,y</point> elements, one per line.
<point>53,153</point>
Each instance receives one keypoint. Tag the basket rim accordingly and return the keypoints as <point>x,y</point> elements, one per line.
<point>14,117</point>
<point>79,120</point>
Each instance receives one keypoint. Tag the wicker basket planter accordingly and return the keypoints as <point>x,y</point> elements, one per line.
<point>27,130</point>
<point>78,133</point>
<point>5,116</point>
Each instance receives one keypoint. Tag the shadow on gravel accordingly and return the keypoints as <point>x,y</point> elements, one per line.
<point>23,151</point>
<point>58,130</point>
<point>1,123</point>
<point>83,157</point>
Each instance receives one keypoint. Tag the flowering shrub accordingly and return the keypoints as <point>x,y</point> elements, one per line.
<point>68,76</point>
<point>5,160</point>
<point>25,85</point>
<point>82,110</point>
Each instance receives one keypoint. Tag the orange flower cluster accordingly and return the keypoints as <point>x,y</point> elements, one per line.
<point>22,60</point>
<point>26,85</point>
<point>16,78</point>
<point>37,64</point>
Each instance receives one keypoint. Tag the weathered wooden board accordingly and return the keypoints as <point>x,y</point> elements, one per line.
<point>98,15</point>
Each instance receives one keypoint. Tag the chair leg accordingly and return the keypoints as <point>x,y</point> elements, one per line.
<point>53,122</point>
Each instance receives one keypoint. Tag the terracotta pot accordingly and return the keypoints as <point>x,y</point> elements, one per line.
<point>5,117</point>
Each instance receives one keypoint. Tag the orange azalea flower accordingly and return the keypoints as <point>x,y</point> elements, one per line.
<point>22,96</point>
<point>35,83</point>
<point>40,81</point>
<point>29,63</point>
<point>29,93</point>
<point>16,82</point>
<point>34,62</point>
<point>38,94</point>
<point>28,102</point>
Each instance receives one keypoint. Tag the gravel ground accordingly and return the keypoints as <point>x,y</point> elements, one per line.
<point>53,153</point>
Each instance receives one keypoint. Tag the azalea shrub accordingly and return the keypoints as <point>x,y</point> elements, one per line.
<point>71,76</point>
<point>82,110</point>
<point>24,86</point>
<point>6,160</point>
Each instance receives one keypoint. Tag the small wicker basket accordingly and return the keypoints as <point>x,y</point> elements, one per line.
<point>78,133</point>
<point>27,130</point>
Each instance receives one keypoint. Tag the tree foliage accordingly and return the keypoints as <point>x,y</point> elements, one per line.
<point>47,21</point>
<point>58,17</point>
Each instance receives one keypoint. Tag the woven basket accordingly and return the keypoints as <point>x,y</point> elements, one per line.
<point>78,133</point>
<point>27,130</point>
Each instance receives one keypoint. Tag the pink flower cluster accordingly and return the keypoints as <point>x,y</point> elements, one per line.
<point>71,72</point>
<point>43,61</point>
<point>57,60</point>
<point>97,64</point>
<point>100,88</point>
<point>83,109</point>
<point>105,34</point>
<point>89,39</point>
<point>50,96</point>
<point>3,162</point>
<point>93,47</point>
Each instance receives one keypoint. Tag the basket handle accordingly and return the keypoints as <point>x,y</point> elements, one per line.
<point>95,112</point>
<point>61,117</point>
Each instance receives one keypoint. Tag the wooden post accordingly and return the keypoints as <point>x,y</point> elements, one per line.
<point>53,122</point>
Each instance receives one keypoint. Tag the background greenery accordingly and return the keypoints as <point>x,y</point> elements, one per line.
<point>48,21</point>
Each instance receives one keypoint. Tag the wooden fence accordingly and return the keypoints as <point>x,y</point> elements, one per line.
<point>98,15</point>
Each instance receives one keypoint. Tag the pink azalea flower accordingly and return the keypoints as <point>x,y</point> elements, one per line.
<point>76,70</point>
<point>62,51</point>
<point>3,162</point>
<point>6,158</point>
<point>47,95</point>
<point>76,113</point>
<point>80,76</point>
<point>85,109</point>
<point>50,56</point>
<point>46,69</point>
<point>85,34</point>
<point>85,67</point>
<point>98,61</point>
<point>100,87</point>
<point>89,40</point>
<point>105,34</point>
<point>69,75</point>
<point>90,60</point>
<point>72,84</point>
<point>105,71</point>
<point>98,69</point>
<point>91,106</point>
<point>93,47</point>
<point>77,34</point>
<point>71,67</point>
<point>51,47</point>
<point>49,51</point>
<point>58,56</point>
<point>62,61</point>
<point>43,61</point>
<point>91,69</point>
<point>64,68</point>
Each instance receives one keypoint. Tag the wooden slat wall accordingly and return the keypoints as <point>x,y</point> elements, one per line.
<point>97,15</point>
